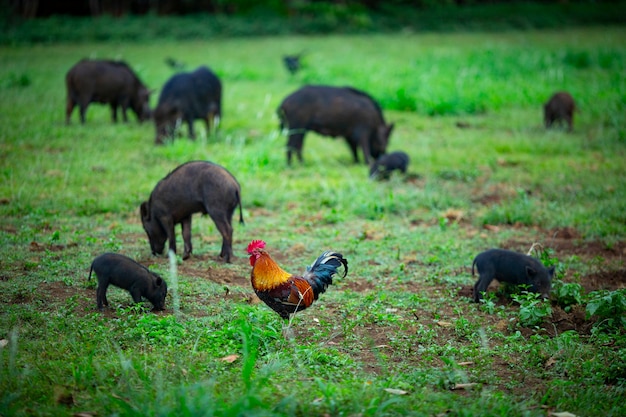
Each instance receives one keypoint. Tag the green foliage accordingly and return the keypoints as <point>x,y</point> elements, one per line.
<point>488,302</point>
<point>521,210</point>
<point>567,293</point>
<point>609,307</point>
<point>13,80</point>
<point>548,259</point>
<point>156,330</point>
<point>532,309</point>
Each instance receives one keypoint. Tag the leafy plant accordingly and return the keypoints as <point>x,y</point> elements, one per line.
<point>567,294</point>
<point>548,259</point>
<point>488,302</point>
<point>533,310</point>
<point>609,307</point>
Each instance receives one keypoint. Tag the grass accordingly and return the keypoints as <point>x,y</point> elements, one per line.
<point>398,335</point>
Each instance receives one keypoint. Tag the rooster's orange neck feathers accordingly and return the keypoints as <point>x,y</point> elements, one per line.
<point>266,274</point>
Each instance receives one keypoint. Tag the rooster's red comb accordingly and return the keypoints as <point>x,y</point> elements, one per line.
<point>255,244</point>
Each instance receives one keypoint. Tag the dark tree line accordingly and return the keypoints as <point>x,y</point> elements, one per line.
<point>45,8</point>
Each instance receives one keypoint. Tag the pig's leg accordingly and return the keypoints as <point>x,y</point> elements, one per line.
<point>570,121</point>
<point>101,295</point>
<point>223,222</point>
<point>192,135</point>
<point>294,143</point>
<point>168,224</point>
<point>226,230</point>
<point>124,114</point>
<point>114,111</point>
<point>83,110</point>
<point>104,294</point>
<point>186,226</point>
<point>355,152</point>
<point>135,292</point>
<point>484,279</point>
<point>69,109</point>
<point>364,141</point>
<point>207,123</point>
<point>124,103</point>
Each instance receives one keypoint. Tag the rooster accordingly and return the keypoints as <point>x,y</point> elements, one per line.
<point>286,293</point>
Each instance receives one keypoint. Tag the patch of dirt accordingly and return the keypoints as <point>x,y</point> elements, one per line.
<point>495,194</point>
<point>58,292</point>
<point>567,241</point>
<point>415,179</point>
<point>219,275</point>
<point>359,286</point>
<point>604,280</point>
<point>52,247</point>
<point>8,228</point>
<point>562,321</point>
<point>377,342</point>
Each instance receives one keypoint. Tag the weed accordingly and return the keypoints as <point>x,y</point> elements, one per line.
<point>609,307</point>
<point>533,311</point>
<point>488,302</point>
<point>567,294</point>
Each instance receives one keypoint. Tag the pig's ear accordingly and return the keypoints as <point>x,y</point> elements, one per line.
<point>551,272</point>
<point>145,213</point>
<point>159,281</point>
<point>530,271</point>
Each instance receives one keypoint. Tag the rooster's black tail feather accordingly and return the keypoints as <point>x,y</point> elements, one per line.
<point>320,273</point>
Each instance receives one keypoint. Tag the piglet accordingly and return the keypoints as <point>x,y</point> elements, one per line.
<point>513,268</point>
<point>385,164</point>
<point>123,272</point>
<point>560,108</point>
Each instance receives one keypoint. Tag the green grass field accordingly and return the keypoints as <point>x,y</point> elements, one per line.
<point>399,335</point>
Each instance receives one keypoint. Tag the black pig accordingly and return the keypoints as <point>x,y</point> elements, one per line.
<point>335,111</point>
<point>123,272</point>
<point>385,164</point>
<point>560,108</point>
<point>292,62</point>
<point>186,97</point>
<point>193,187</point>
<point>513,268</point>
<point>108,82</point>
